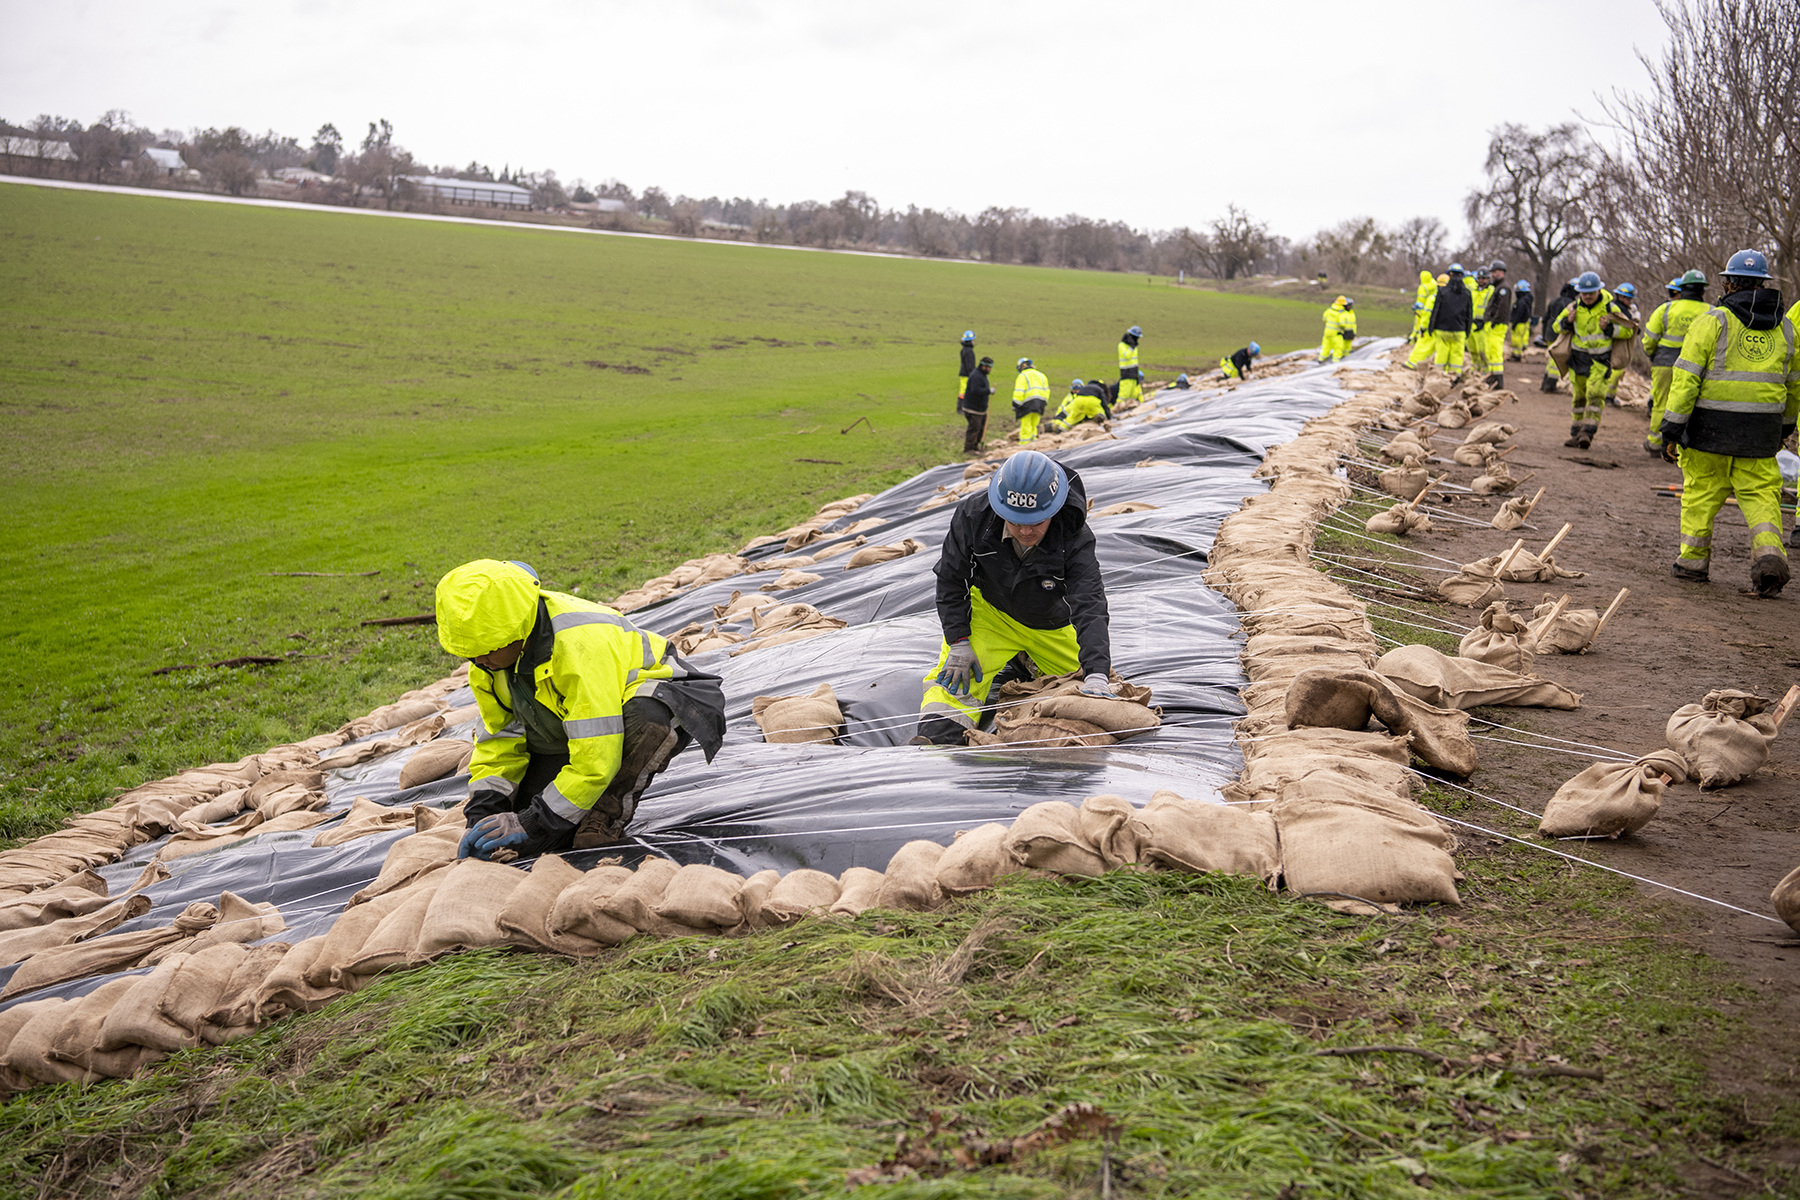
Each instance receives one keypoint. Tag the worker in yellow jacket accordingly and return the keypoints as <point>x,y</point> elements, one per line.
<point>1031,396</point>
<point>1664,334</point>
<point>1733,399</point>
<point>579,710</point>
<point>1331,343</point>
<point>1596,325</point>
<point>1131,377</point>
<point>1481,295</point>
<point>1426,345</point>
<point>1422,306</point>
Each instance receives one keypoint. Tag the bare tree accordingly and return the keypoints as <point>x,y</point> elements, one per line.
<point>1710,157</point>
<point>1538,200</point>
<point>327,148</point>
<point>1420,243</point>
<point>1234,242</point>
<point>1351,248</point>
<point>380,166</point>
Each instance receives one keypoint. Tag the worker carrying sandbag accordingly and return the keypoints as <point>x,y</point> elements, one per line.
<point>1734,398</point>
<point>1552,372</point>
<point>1236,365</point>
<point>1017,575</point>
<point>1625,296</point>
<point>1595,324</point>
<point>1663,334</point>
<point>580,709</point>
<point>1031,396</point>
<point>1131,379</point>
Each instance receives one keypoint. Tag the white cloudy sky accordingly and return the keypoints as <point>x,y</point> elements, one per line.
<point>1154,112</point>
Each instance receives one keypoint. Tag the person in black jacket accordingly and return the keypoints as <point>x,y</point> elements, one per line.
<point>1562,300</point>
<point>1520,320</point>
<point>974,404</point>
<point>967,367</point>
<point>1452,313</point>
<point>1017,576</point>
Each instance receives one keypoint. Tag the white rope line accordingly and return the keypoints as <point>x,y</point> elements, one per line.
<point>1366,536</point>
<point>1454,518</point>
<point>1552,749</point>
<point>1384,562</point>
<point>1564,741</point>
<point>1415,612</point>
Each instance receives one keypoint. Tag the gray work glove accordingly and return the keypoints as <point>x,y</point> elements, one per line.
<point>1098,686</point>
<point>960,666</point>
<point>493,833</point>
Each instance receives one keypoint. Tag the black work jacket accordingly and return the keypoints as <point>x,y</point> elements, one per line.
<point>1241,360</point>
<point>1557,303</point>
<point>1499,304</point>
<point>968,362</point>
<point>1454,309</point>
<point>1521,309</point>
<point>1056,585</point>
<point>975,396</point>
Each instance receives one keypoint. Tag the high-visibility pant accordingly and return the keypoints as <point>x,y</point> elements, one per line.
<point>1521,338</point>
<point>1331,345</point>
<point>1129,389</point>
<point>996,638</point>
<point>1587,378</point>
<point>1660,379</point>
<point>1419,332</point>
<point>1478,349</point>
<point>1422,350</point>
<point>1706,480</point>
<point>1077,409</point>
<point>1028,426</point>
<point>962,386</point>
<point>1450,351</point>
<point>1496,347</point>
<point>1230,369</point>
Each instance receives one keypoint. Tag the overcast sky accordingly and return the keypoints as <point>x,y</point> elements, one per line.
<point>1157,113</point>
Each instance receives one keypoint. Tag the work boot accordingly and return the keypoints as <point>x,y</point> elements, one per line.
<point>1583,441</point>
<point>935,730</point>
<point>1516,358</point>
<point>1496,380</point>
<point>1768,575</point>
<point>1574,437</point>
<point>1690,574</point>
<point>1548,384</point>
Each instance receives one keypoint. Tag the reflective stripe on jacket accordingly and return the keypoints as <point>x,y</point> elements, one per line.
<point>582,661</point>
<point>1734,388</point>
<point>1589,322</point>
<point>1667,329</point>
<point>1128,361</point>
<point>1427,290</point>
<point>1481,294</point>
<point>1031,384</point>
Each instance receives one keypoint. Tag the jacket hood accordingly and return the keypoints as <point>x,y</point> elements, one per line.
<point>1568,291</point>
<point>1758,308</point>
<point>1426,277</point>
<point>484,605</point>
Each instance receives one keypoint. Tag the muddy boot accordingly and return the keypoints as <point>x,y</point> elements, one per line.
<point>1768,575</point>
<point>1547,384</point>
<point>935,730</point>
<point>1689,574</point>
<point>1575,437</point>
<point>1496,380</point>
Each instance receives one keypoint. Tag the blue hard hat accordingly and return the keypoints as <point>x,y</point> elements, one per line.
<point>968,335</point>
<point>1073,384</point>
<point>1626,290</point>
<point>1747,264</point>
<point>1181,378</point>
<point>1588,281</point>
<point>1456,269</point>
<point>1023,363</point>
<point>1524,285</point>
<point>1135,331</point>
<point>1255,349</point>
<point>1674,285</point>
<point>1028,488</point>
<point>1418,307</point>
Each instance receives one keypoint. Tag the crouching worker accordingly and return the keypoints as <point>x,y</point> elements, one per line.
<point>580,710</point>
<point>1017,575</point>
<point>1236,365</point>
<point>1085,402</point>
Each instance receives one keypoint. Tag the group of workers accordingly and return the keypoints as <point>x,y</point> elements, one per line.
<point>1462,327</point>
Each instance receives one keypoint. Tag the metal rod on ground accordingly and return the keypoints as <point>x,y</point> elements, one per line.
<point>1557,540</point>
<point>1786,707</point>
<point>1605,617</point>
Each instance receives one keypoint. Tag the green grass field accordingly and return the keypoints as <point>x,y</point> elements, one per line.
<point>196,395</point>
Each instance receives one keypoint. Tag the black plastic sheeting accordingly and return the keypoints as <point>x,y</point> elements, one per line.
<point>831,807</point>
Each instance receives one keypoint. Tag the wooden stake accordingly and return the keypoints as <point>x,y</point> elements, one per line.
<point>1786,707</point>
<point>1533,504</point>
<point>1506,452</point>
<point>1556,541</point>
<point>1506,559</point>
<point>1548,619</point>
<point>1605,617</point>
<point>1414,502</point>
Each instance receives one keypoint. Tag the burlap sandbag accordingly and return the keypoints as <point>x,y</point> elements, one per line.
<point>578,912</point>
<point>412,856</point>
<point>198,986</point>
<point>1045,733</point>
<point>284,792</point>
<point>868,556</point>
<point>329,964</point>
<point>750,898</point>
<point>792,720</point>
<point>104,955</point>
<point>28,1049</point>
<point>1121,718</point>
<point>465,913</point>
<point>1464,683</point>
<point>702,896</point>
<point>1492,432</point>
<point>858,890</point>
<point>76,1040</point>
<point>786,581</point>
<point>12,1020</point>
<point>1501,640</point>
<point>137,1019</point>
<point>17,945</point>
<point>1124,508</point>
<point>1338,698</point>
<point>1403,446</point>
<point>636,900</point>
<point>525,918</point>
<point>366,819</point>
<point>1785,897</point>
<point>1406,482</point>
<point>1496,480</point>
<point>1474,454</point>
<point>1570,632</point>
<point>975,861</point>
<point>77,896</point>
<point>1399,520</point>
<point>437,759</point>
<point>394,943</point>
<point>1337,844</point>
<point>1194,835</point>
<point>1724,738</point>
<point>1608,799</point>
<point>1048,836</point>
<point>1439,737</point>
<point>910,881</point>
<point>286,990</point>
<point>234,1015</point>
<point>799,894</point>
<point>1522,566</point>
<point>1109,824</point>
<point>1453,416</point>
<point>240,921</point>
<point>740,606</point>
<point>1470,591</point>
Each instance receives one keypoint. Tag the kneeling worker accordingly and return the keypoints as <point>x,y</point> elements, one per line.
<point>1085,402</point>
<point>1236,365</point>
<point>580,710</point>
<point>1031,396</point>
<point>1017,575</point>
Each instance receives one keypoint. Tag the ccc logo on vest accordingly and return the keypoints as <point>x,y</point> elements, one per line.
<point>1756,345</point>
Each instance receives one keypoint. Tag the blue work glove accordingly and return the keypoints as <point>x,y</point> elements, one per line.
<point>490,834</point>
<point>1099,687</point>
<point>960,667</point>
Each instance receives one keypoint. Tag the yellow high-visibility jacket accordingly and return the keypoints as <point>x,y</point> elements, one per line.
<point>1427,290</point>
<point>1734,389</point>
<point>1589,324</point>
<point>583,661</point>
<point>1667,329</point>
<point>1128,360</point>
<point>1032,384</point>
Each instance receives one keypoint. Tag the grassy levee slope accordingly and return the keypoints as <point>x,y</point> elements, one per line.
<point>196,395</point>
